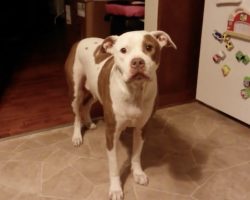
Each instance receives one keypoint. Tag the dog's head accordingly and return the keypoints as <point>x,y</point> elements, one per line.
<point>137,53</point>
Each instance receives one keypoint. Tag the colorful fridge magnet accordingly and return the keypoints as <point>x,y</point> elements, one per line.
<point>229,45</point>
<point>245,93</point>
<point>218,36</point>
<point>246,59</point>
<point>246,82</point>
<point>241,57</point>
<point>239,24</point>
<point>219,57</point>
<point>216,58</point>
<point>225,70</point>
<point>226,37</point>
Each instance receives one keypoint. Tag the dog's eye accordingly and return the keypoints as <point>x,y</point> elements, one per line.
<point>149,47</point>
<point>123,50</point>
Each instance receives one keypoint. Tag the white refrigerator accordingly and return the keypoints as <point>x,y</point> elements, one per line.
<point>224,65</point>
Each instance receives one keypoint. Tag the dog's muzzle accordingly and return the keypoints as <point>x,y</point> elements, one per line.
<point>137,70</point>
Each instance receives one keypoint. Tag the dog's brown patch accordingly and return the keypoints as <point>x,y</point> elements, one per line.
<point>100,54</point>
<point>151,47</point>
<point>156,103</point>
<point>104,91</point>
<point>69,69</point>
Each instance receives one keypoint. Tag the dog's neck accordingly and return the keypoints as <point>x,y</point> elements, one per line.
<point>136,89</point>
<point>131,92</point>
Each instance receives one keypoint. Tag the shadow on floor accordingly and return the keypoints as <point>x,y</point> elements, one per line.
<point>164,145</point>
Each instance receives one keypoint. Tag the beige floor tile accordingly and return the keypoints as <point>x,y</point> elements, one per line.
<point>24,176</point>
<point>184,126</point>
<point>28,144</point>
<point>4,156</point>
<point>97,145</point>
<point>67,184</point>
<point>27,196</point>
<point>7,192</point>
<point>221,158</point>
<point>51,198</point>
<point>129,187</point>
<point>191,152</point>
<point>231,184</point>
<point>51,136</point>
<point>160,178</point>
<point>200,174</point>
<point>95,170</point>
<point>82,151</point>
<point>37,154</point>
<point>99,192</point>
<point>10,145</point>
<point>144,193</point>
<point>56,162</point>
<point>2,163</point>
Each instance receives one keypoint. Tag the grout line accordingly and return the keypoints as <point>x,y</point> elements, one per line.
<point>135,192</point>
<point>194,198</point>
<point>200,186</point>
<point>234,166</point>
<point>158,190</point>
<point>51,154</point>
<point>92,192</point>
<point>88,145</point>
<point>54,197</point>
<point>82,175</point>
<point>59,171</point>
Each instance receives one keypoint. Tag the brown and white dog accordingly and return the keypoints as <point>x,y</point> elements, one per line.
<point>120,73</point>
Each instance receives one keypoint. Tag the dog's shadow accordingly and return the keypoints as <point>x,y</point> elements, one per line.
<point>164,145</point>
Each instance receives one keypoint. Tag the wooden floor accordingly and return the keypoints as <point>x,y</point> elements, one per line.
<point>36,96</point>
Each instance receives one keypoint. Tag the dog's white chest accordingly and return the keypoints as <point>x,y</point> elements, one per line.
<point>132,107</point>
<point>130,114</point>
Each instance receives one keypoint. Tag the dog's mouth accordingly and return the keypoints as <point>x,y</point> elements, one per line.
<point>139,77</point>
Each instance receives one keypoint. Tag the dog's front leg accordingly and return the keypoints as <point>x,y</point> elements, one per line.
<point>115,191</point>
<point>139,176</point>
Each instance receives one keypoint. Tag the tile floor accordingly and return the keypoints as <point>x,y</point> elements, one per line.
<point>191,153</point>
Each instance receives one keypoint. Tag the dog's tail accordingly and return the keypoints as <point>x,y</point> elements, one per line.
<point>68,67</point>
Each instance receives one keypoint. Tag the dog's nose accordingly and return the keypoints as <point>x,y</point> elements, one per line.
<point>137,63</point>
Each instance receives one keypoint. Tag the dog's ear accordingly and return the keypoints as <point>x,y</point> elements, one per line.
<point>108,44</point>
<point>163,39</point>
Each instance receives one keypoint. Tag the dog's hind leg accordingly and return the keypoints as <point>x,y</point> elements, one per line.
<point>83,100</point>
<point>76,105</point>
<point>85,108</point>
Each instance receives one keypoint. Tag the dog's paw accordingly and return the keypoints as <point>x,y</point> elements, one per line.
<point>141,178</point>
<point>77,140</point>
<point>92,126</point>
<point>116,195</point>
<point>115,190</point>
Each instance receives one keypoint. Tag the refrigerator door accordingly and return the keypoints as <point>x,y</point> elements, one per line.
<point>221,77</point>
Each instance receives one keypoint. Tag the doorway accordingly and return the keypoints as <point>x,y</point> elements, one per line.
<point>33,90</point>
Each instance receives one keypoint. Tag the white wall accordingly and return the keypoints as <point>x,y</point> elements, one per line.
<point>151,14</point>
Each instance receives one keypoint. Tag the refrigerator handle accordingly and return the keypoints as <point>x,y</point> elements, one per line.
<point>220,2</point>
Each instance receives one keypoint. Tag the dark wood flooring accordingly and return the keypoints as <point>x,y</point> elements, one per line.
<point>35,96</point>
